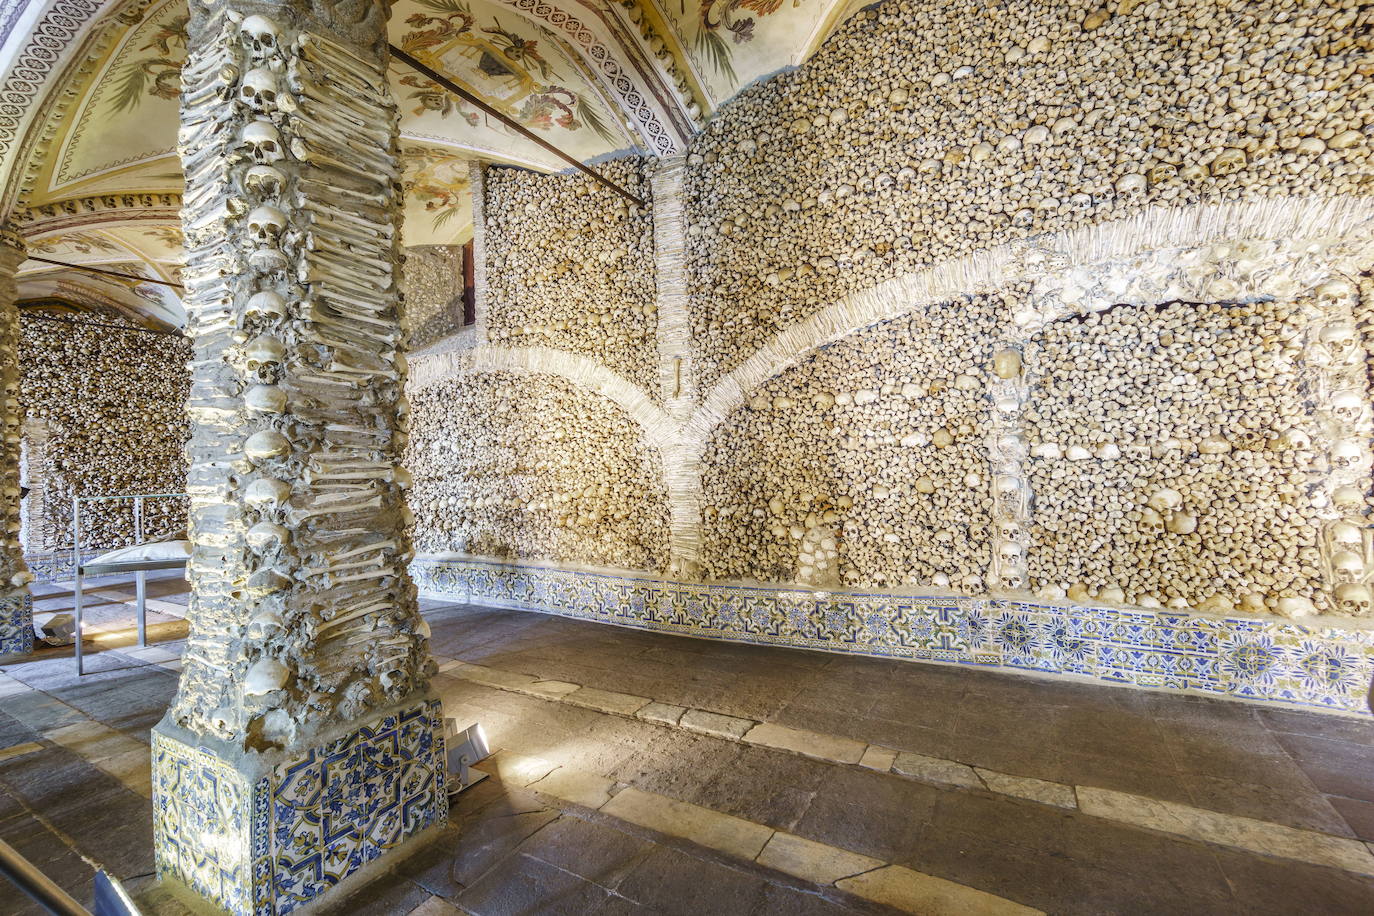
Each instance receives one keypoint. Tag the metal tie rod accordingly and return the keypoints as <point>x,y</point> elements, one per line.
<point>514,125</point>
<point>100,270</point>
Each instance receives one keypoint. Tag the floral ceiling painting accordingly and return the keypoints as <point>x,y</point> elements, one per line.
<point>519,68</point>
<point>438,208</point>
<point>732,43</point>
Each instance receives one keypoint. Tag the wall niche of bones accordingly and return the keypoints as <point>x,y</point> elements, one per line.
<point>924,131</point>
<point>865,465</point>
<point>105,413</point>
<point>432,288</point>
<point>570,265</point>
<point>532,467</point>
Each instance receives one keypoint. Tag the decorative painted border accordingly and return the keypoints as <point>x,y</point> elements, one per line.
<point>269,844</point>
<point>1257,660</point>
<point>16,625</point>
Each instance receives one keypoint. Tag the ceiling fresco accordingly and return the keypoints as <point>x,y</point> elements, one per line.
<point>732,43</point>
<point>592,77</point>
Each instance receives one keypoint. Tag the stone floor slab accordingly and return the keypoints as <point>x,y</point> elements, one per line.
<point>1037,790</point>
<point>812,861</point>
<point>662,713</point>
<point>730,835</point>
<point>914,892</point>
<point>622,704</point>
<point>713,723</point>
<point>936,770</point>
<point>808,743</point>
<point>1227,829</point>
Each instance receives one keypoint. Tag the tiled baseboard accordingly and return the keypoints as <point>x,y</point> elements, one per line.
<point>1269,661</point>
<point>16,625</point>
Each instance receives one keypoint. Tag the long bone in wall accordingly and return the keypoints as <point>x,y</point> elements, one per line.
<point>302,612</point>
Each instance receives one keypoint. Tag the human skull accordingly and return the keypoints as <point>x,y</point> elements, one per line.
<point>266,223</point>
<point>1227,162</point>
<point>264,350</point>
<point>1080,202</point>
<point>1010,552</point>
<point>1347,566</point>
<point>266,536</point>
<point>1345,454</point>
<point>263,142</point>
<point>266,180</point>
<point>1161,172</point>
<point>1354,599</point>
<point>1009,529</point>
<point>1336,295</point>
<point>1347,406</point>
<point>1131,186</point>
<point>259,90</point>
<point>267,491</point>
<point>1165,500</point>
<point>261,37</point>
<point>267,303</point>
<point>1013,579</point>
<point>1339,338</point>
<point>265,399</point>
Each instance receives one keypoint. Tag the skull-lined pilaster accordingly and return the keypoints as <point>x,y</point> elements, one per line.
<point>14,574</point>
<point>302,614</point>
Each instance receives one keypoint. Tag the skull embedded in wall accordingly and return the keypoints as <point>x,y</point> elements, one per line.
<point>1353,599</point>
<point>1227,162</point>
<point>266,224</point>
<point>1347,566</point>
<point>266,180</point>
<point>268,304</point>
<point>263,141</point>
<point>1345,455</point>
<point>1347,406</point>
<point>259,90</point>
<point>1161,172</point>
<point>1336,295</point>
<point>260,36</point>
<point>1340,339</point>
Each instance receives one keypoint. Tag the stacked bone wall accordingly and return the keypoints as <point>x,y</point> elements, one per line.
<point>1202,449</point>
<point>432,290</point>
<point>112,404</point>
<point>922,132</point>
<point>534,468</point>
<point>570,266</point>
<point>865,465</point>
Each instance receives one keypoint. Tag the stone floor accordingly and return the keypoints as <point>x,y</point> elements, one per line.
<point>636,772</point>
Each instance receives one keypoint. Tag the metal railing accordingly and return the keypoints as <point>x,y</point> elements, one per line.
<point>139,568</point>
<point>110,897</point>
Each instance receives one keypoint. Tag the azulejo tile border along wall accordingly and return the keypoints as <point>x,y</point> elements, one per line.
<point>1323,668</point>
<point>305,826</point>
<point>16,625</point>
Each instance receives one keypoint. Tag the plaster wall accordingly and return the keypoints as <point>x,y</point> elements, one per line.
<point>109,407</point>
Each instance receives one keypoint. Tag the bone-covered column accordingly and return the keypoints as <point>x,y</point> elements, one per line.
<point>306,647</point>
<point>16,605</point>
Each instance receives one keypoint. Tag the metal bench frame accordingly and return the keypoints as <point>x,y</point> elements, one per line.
<point>140,568</point>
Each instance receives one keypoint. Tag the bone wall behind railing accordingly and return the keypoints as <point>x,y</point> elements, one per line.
<point>113,408</point>
<point>923,131</point>
<point>302,613</point>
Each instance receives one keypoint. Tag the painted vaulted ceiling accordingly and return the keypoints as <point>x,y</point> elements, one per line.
<point>90,160</point>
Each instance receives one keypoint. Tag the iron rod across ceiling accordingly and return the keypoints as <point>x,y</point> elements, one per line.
<point>108,273</point>
<point>514,125</point>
